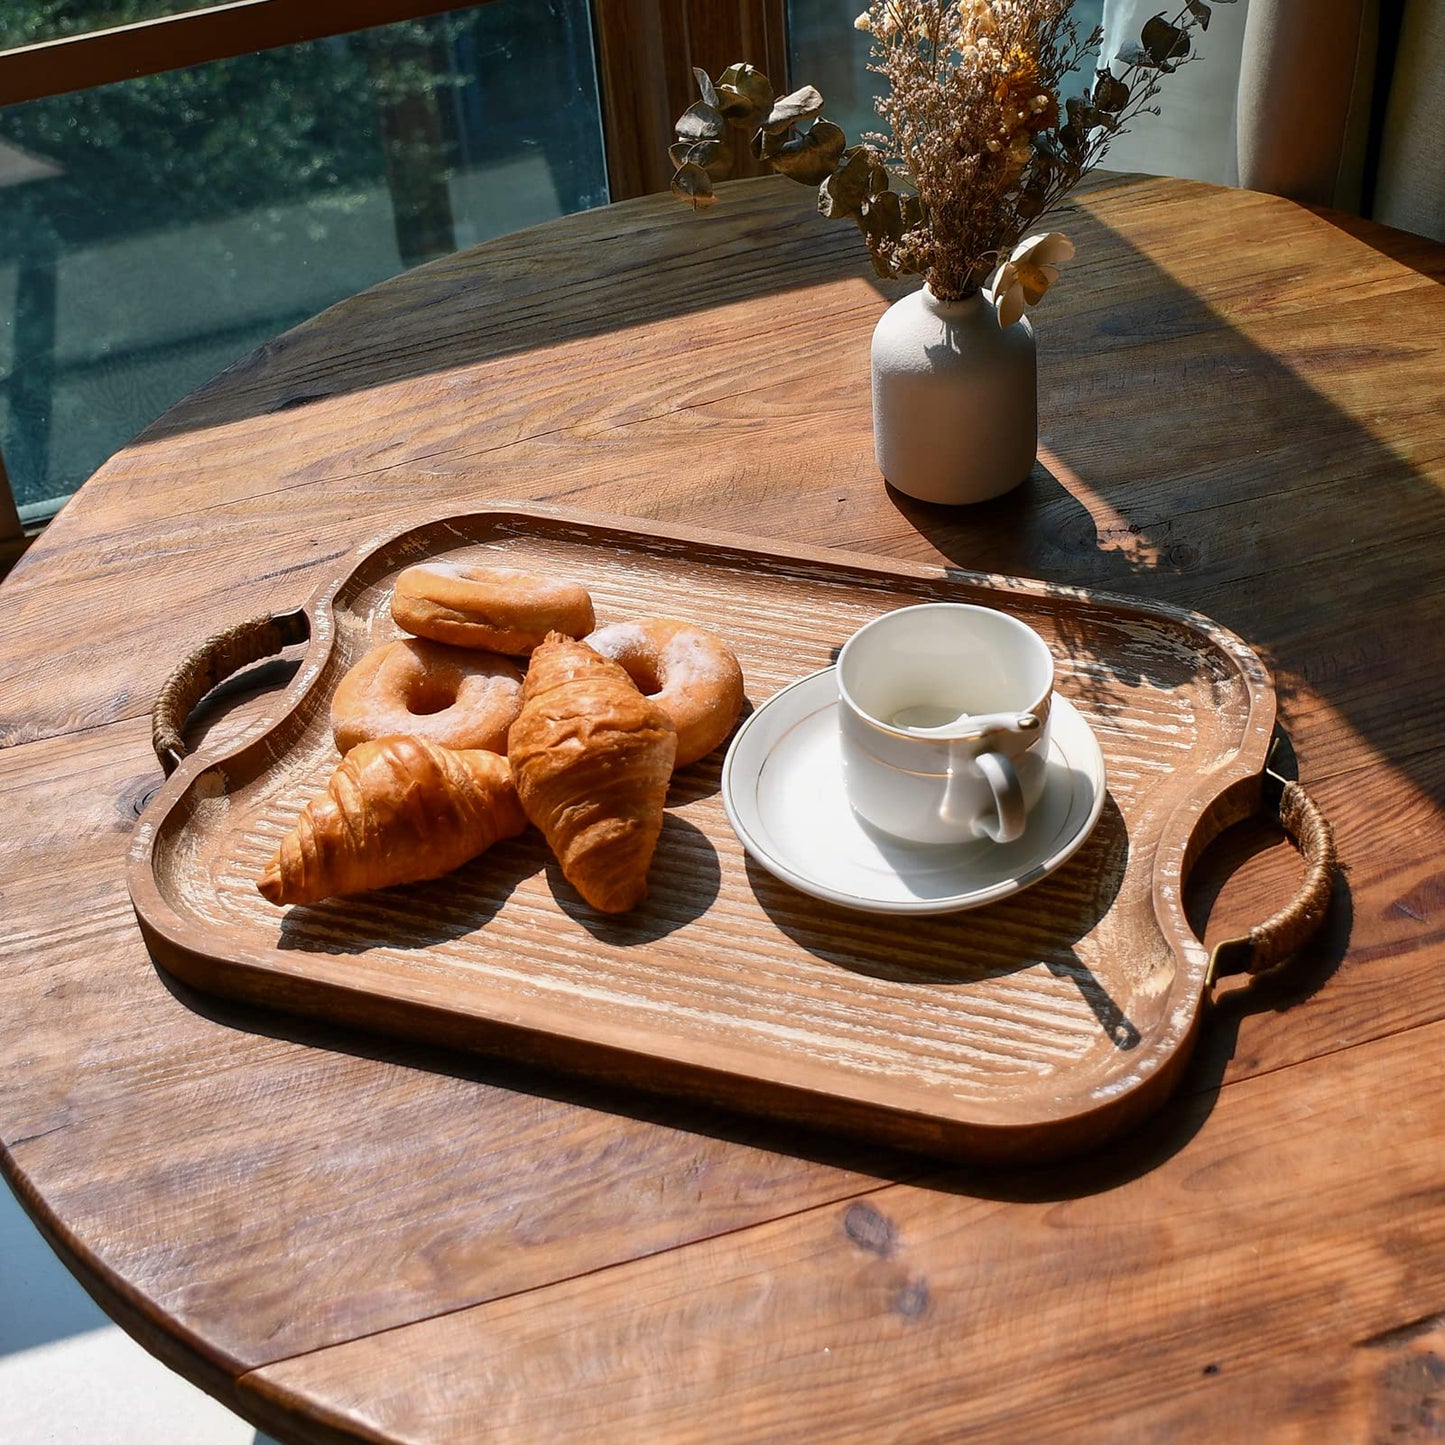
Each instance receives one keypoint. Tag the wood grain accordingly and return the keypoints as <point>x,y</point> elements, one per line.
<point>1038,1025</point>
<point>944,1295</point>
<point>1240,402</point>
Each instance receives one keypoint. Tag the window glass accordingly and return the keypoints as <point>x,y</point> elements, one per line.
<point>1193,135</point>
<point>154,231</point>
<point>825,50</point>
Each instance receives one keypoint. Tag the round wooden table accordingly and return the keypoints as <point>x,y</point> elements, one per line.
<point>345,1237</point>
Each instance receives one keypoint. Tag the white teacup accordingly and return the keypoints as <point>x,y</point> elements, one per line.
<point>944,722</point>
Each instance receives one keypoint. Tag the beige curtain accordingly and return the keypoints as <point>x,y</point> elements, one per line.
<point>1305,80</point>
<point>1308,87</point>
<point>1410,179</point>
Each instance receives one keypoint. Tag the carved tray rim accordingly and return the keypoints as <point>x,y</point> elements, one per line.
<point>313,986</point>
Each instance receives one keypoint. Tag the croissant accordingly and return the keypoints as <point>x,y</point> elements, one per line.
<point>397,810</point>
<point>591,757</point>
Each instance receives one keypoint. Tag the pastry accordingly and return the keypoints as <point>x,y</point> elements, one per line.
<point>591,758</point>
<point>499,609</point>
<point>396,810</point>
<point>449,695</point>
<point>692,675</point>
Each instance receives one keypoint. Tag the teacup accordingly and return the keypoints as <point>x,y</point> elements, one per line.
<point>944,722</point>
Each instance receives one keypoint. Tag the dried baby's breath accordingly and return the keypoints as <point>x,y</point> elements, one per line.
<point>980,141</point>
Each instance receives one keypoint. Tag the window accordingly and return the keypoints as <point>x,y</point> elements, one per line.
<point>154,230</point>
<point>825,50</point>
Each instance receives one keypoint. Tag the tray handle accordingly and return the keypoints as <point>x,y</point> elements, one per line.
<point>212,662</point>
<point>1267,945</point>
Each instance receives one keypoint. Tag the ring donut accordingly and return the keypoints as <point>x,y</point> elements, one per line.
<point>690,674</point>
<point>448,695</point>
<point>497,609</point>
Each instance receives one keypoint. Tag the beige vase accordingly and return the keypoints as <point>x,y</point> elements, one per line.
<point>955,399</point>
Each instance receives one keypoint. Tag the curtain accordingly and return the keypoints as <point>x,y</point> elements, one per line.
<point>1409,189</point>
<point>1194,133</point>
<point>1331,102</point>
<point>1305,86</point>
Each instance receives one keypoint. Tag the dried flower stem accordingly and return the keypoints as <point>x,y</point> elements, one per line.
<point>977,128</point>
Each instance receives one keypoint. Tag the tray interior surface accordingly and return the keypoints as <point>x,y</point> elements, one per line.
<point>1028,1008</point>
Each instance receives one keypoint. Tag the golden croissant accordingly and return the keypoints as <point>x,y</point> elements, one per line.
<point>397,810</point>
<point>591,757</point>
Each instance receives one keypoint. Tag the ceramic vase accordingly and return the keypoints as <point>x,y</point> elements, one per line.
<point>955,399</point>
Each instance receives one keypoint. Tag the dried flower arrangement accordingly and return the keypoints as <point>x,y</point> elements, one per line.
<point>978,130</point>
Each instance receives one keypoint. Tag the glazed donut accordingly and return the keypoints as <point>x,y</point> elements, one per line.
<point>448,695</point>
<point>499,609</point>
<point>690,674</point>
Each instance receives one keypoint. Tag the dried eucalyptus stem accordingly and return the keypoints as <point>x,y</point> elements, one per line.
<point>979,137</point>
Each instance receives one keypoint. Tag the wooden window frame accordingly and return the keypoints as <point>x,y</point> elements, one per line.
<point>12,534</point>
<point>645,54</point>
<point>191,37</point>
<point>646,50</point>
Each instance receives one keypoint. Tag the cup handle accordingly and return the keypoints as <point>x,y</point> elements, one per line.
<point>1008,798</point>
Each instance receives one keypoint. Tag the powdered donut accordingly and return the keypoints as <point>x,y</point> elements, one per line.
<point>499,609</point>
<point>690,674</point>
<point>449,695</point>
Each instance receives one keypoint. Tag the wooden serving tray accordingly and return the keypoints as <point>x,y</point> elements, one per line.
<point>1021,1030</point>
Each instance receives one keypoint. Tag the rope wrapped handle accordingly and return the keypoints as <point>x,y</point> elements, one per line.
<point>1264,947</point>
<point>211,663</point>
<point>1269,944</point>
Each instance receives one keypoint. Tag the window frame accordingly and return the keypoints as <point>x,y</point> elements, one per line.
<point>104,56</point>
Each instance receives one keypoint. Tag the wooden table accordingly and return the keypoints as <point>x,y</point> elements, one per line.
<point>342,1237</point>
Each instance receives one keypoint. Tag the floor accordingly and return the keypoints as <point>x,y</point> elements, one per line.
<point>70,1377</point>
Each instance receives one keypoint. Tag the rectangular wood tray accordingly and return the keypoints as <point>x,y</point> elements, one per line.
<point>1018,1031</point>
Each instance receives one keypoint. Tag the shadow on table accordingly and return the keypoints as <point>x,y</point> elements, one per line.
<point>1333,576</point>
<point>1213,504</point>
<point>1104,1167</point>
<point>1134,1152</point>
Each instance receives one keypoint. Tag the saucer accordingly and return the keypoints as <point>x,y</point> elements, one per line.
<point>782,786</point>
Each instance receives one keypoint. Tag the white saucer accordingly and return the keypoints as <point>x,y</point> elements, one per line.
<point>782,787</point>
